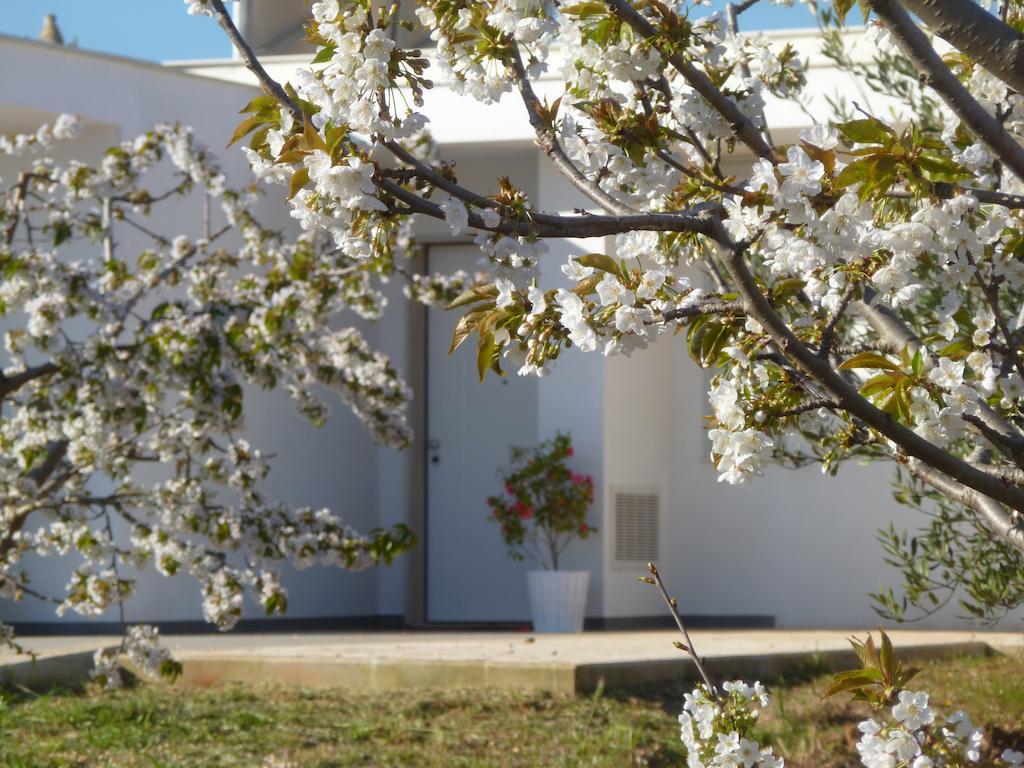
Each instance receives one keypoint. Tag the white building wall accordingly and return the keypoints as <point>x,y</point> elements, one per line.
<point>571,397</point>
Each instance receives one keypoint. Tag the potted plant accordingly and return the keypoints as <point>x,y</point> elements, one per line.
<point>544,508</point>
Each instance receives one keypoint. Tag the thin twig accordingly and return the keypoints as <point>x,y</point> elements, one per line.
<point>548,141</point>
<point>673,607</point>
<point>252,63</point>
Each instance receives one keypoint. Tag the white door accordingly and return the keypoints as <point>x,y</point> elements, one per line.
<point>470,426</point>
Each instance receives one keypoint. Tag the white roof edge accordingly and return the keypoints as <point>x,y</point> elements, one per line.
<point>113,58</point>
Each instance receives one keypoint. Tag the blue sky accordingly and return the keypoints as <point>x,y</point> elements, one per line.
<point>158,30</point>
<point>161,30</point>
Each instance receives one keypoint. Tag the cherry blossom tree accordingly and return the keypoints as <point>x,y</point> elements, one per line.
<point>117,360</point>
<point>859,293</point>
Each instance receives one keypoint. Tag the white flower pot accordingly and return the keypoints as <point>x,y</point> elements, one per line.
<point>557,599</point>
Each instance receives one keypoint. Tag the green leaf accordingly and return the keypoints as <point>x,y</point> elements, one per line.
<point>61,232</point>
<point>485,354</point>
<point>866,651</point>
<point>259,104</point>
<point>599,261</point>
<point>891,405</point>
<point>888,657</point>
<point>850,683</point>
<point>855,172</point>
<point>587,285</point>
<point>705,340</point>
<point>259,138</point>
<point>170,669</point>
<point>584,9</point>
<point>313,138</point>
<point>883,174</point>
<point>789,287</point>
<point>245,127</point>
<point>842,8</point>
<point>713,342</point>
<point>942,169</point>
<point>867,130</point>
<point>473,295</point>
<point>880,383</point>
<point>334,138</point>
<point>466,325</point>
<point>956,350</point>
<point>299,179</point>
<point>868,360</point>
<point>325,54</point>
<point>917,363</point>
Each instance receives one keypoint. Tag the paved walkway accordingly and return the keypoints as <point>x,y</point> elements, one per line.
<point>387,660</point>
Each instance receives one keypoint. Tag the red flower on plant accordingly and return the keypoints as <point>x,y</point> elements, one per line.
<point>545,501</point>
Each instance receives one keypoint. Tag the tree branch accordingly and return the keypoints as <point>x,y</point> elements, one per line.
<point>267,83</point>
<point>55,455</point>
<point>700,218</point>
<point>893,331</point>
<point>20,189</point>
<point>974,31</point>
<point>741,125</point>
<point>11,384</point>
<point>992,513</point>
<point>548,141</point>
<point>936,75</point>
<point>709,307</point>
<point>846,396</point>
<point>811,405</point>
<point>673,607</point>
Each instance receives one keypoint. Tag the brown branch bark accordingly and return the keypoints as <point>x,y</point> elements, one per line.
<point>19,196</point>
<point>893,331</point>
<point>39,475</point>
<point>252,63</point>
<point>710,307</point>
<point>673,607</point>
<point>971,29</point>
<point>698,219</point>
<point>14,382</point>
<point>936,75</point>
<point>997,518</point>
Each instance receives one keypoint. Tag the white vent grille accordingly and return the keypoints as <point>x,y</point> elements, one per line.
<point>636,526</point>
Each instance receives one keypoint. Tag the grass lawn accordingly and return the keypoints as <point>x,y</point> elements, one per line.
<point>274,727</point>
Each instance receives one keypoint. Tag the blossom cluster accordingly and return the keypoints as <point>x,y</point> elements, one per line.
<point>715,728</point>
<point>135,351</point>
<point>141,646</point>
<point>916,738</point>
